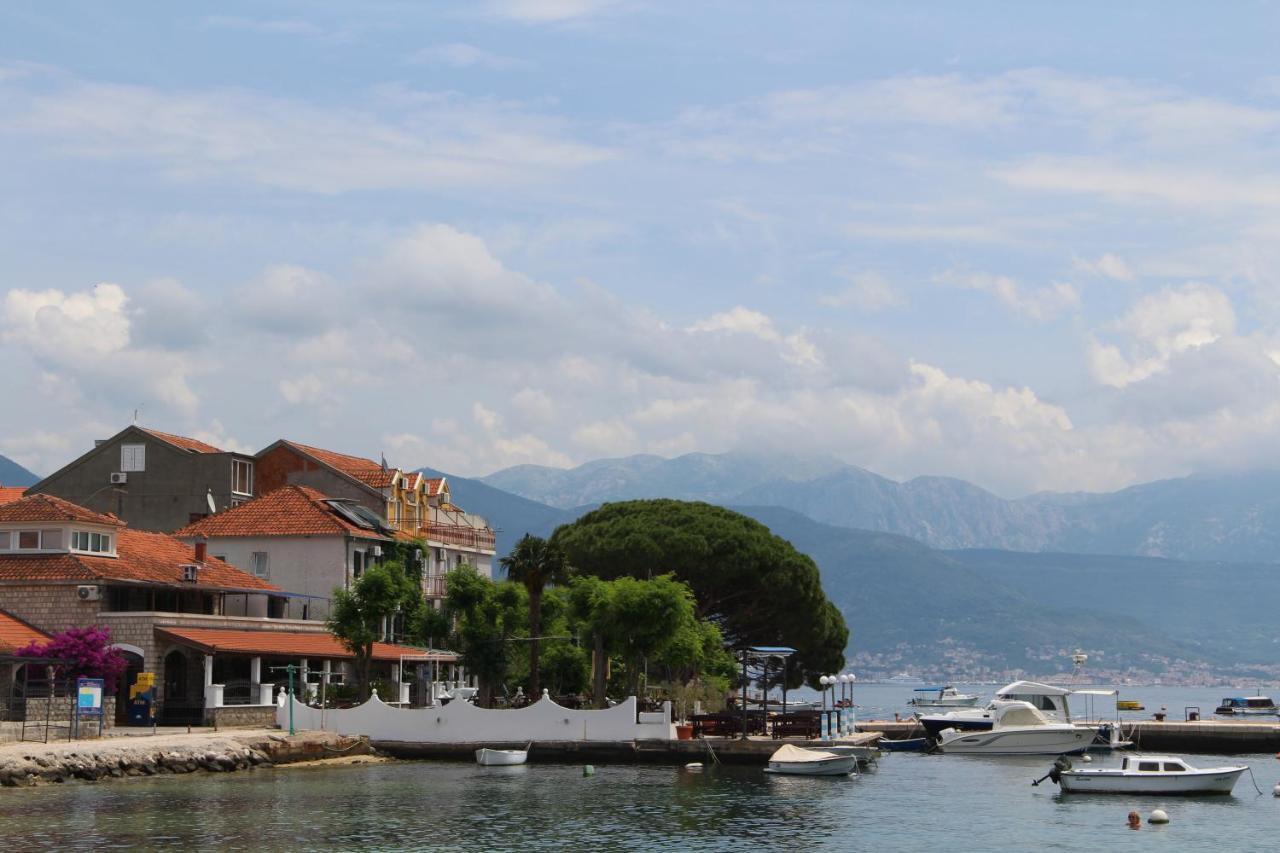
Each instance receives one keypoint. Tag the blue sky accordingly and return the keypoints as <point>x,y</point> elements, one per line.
<point>1029,246</point>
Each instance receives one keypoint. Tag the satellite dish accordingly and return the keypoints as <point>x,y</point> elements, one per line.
<point>213,507</point>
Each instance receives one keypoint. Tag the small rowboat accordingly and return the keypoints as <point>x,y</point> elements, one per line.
<point>911,744</point>
<point>796,761</point>
<point>502,757</point>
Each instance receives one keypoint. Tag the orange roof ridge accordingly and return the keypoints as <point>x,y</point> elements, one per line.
<point>195,445</point>
<point>357,467</point>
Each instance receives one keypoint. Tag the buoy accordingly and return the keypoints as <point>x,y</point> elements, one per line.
<point>1276,790</point>
<point>1086,758</point>
<point>693,765</point>
<point>1135,820</point>
<point>588,770</point>
<point>1158,816</point>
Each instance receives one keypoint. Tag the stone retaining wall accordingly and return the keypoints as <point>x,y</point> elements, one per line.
<point>60,714</point>
<point>258,716</point>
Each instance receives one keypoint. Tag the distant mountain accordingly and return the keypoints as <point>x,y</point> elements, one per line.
<point>1231,517</point>
<point>512,515</point>
<point>13,474</point>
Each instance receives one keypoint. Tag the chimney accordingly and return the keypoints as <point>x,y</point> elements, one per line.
<point>202,549</point>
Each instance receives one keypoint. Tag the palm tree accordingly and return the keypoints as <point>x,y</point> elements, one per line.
<point>535,562</point>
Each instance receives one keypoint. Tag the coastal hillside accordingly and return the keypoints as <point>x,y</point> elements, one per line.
<point>982,613</point>
<point>13,474</point>
<point>1232,517</point>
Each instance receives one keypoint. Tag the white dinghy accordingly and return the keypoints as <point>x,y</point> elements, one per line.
<point>502,757</point>
<point>797,761</point>
<point>1018,729</point>
<point>1146,774</point>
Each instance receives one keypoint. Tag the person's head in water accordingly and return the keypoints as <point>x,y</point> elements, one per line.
<point>1135,820</point>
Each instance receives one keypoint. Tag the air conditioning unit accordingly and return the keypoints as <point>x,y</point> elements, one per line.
<point>88,593</point>
<point>377,550</point>
<point>119,478</point>
<point>190,572</point>
<point>417,555</point>
<point>440,554</point>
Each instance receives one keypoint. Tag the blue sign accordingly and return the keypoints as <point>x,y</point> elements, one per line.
<point>89,697</point>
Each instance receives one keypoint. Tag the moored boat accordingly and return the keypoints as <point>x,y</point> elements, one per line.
<point>1147,774</point>
<point>1129,705</point>
<point>1049,700</point>
<point>1247,705</point>
<point>1018,728</point>
<point>502,757</point>
<point>797,761</point>
<point>943,697</point>
<point>911,744</point>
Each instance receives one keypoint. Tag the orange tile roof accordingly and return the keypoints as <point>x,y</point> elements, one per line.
<point>42,507</point>
<point>15,634</point>
<point>365,470</point>
<point>149,558</point>
<point>192,444</point>
<point>288,511</point>
<point>433,485</point>
<point>9,494</point>
<point>317,646</point>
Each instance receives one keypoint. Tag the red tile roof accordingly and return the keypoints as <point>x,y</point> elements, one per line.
<point>365,470</point>
<point>315,646</point>
<point>15,634</point>
<point>9,494</point>
<point>150,558</point>
<point>42,507</point>
<point>191,444</point>
<point>288,511</point>
<point>433,485</point>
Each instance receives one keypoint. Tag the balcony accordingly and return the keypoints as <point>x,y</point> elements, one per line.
<point>479,539</point>
<point>433,586</point>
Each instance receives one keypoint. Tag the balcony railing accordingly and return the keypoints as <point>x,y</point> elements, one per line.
<point>434,586</point>
<point>461,536</point>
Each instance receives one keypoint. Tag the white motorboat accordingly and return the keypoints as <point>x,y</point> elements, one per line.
<point>1018,728</point>
<point>1049,700</point>
<point>1147,774</point>
<point>1247,705</point>
<point>797,761</point>
<point>502,757</point>
<point>943,697</point>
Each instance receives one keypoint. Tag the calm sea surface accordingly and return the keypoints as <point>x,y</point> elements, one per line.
<point>911,802</point>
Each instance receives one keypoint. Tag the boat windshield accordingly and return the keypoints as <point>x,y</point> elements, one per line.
<point>1174,767</point>
<point>1260,702</point>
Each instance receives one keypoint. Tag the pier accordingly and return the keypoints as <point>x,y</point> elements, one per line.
<point>754,750</point>
<point>1220,737</point>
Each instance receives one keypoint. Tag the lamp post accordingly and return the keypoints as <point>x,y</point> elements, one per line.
<point>848,678</point>
<point>824,681</point>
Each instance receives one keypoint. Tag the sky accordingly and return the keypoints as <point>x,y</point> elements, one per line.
<point>1033,246</point>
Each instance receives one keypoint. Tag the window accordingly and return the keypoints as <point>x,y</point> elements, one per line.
<point>51,540</point>
<point>1149,766</point>
<point>29,540</point>
<point>80,540</point>
<point>259,563</point>
<point>4,540</point>
<point>357,564</point>
<point>94,543</point>
<point>1174,767</point>
<point>242,476</point>
<point>133,457</point>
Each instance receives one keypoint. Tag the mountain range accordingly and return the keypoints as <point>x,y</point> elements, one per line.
<point>13,474</point>
<point>1230,516</point>
<point>980,613</point>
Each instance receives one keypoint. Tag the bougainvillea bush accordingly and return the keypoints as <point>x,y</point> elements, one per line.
<point>89,648</point>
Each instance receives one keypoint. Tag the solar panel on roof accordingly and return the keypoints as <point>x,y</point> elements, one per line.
<point>349,512</point>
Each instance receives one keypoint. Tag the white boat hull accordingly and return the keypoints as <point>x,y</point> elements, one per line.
<point>1058,739</point>
<point>501,757</point>
<point>839,765</point>
<point>967,702</point>
<point>1216,780</point>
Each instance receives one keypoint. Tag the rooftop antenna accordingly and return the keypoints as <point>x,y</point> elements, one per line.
<point>135,417</point>
<point>213,507</point>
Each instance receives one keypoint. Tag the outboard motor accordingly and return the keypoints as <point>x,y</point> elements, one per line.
<point>1060,765</point>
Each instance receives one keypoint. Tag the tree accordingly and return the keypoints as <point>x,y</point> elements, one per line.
<point>755,586</point>
<point>360,616</point>
<point>535,563</point>
<point>486,615</point>
<point>89,648</point>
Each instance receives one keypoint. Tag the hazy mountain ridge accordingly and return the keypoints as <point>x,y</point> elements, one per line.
<point>13,474</point>
<point>1233,517</point>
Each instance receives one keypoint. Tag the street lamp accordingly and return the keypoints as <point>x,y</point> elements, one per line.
<point>824,681</point>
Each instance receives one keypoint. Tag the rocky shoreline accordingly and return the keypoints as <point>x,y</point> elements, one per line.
<point>31,764</point>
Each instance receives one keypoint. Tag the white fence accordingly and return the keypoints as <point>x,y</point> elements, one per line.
<point>462,722</point>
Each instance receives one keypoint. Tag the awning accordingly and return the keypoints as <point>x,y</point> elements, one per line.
<point>298,644</point>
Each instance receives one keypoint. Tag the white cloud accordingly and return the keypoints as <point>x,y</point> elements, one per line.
<point>1041,303</point>
<point>463,55</point>
<point>866,291</point>
<point>288,300</point>
<point>1107,266</point>
<point>309,389</point>
<point>1159,327</point>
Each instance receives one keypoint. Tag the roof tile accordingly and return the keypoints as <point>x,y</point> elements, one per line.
<point>294,644</point>
<point>42,507</point>
<point>9,494</point>
<point>192,444</point>
<point>365,470</point>
<point>288,511</point>
<point>15,634</point>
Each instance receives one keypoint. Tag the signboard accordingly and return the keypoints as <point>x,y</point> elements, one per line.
<point>89,697</point>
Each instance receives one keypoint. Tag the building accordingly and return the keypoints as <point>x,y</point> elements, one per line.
<point>63,566</point>
<point>295,537</point>
<point>407,502</point>
<point>9,494</point>
<point>152,480</point>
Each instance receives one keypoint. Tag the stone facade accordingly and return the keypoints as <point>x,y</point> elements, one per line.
<point>257,716</point>
<point>60,713</point>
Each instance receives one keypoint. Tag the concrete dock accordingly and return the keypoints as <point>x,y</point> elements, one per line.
<point>754,750</point>
<point>1221,737</point>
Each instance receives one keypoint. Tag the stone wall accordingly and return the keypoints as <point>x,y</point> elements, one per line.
<point>60,714</point>
<point>257,716</point>
<point>51,607</point>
